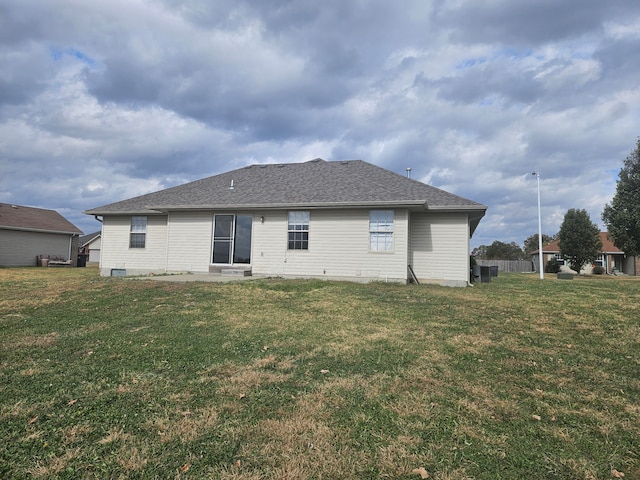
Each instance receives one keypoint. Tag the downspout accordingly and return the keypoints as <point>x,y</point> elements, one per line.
<point>410,243</point>
<point>101,221</point>
<point>468,259</point>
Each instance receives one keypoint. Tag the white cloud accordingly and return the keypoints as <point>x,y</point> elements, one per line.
<point>618,30</point>
<point>116,99</point>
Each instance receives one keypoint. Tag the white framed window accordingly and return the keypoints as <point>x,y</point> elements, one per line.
<point>138,232</point>
<point>599,261</point>
<point>559,258</point>
<point>381,230</point>
<point>298,230</point>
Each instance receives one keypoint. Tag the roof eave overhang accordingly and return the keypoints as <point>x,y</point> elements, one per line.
<point>101,213</point>
<point>411,204</point>
<point>39,230</point>
<point>481,209</point>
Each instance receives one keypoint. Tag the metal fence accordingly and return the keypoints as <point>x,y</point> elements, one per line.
<point>508,265</point>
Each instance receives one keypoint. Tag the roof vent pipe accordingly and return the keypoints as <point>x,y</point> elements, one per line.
<point>231,187</point>
<point>408,172</point>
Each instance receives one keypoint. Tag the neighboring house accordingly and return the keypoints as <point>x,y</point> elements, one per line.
<point>26,232</point>
<point>341,220</point>
<point>612,259</point>
<point>90,246</point>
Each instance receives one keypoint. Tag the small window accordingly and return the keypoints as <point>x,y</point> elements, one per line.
<point>381,230</point>
<point>559,258</point>
<point>137,237</point>
<point>298,231</point>
<point>599,261</point>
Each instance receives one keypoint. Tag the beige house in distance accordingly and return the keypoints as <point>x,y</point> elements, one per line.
<point>90,246</point>
<point>612,259</point>
<point>347,220</point>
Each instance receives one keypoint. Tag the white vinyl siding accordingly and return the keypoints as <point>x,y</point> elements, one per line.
<point>115,251</point>
<point>189,237</point>
<point>339,247</point>
<point>269,250</point>
<point>94,255</point>
<point>440,247</point>
<point>94,249</point>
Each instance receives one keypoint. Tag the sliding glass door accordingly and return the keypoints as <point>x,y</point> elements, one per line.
<point>242,239</point>
<point>232,239</point>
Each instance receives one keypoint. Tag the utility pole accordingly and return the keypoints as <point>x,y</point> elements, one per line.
<point>541,268</point>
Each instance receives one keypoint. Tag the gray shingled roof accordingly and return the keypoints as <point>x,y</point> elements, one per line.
<point>313,184</point>
<point>17,217</point>
<point>84,239</point>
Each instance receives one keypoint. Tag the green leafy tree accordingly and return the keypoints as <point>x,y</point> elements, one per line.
<point>579,239</point>
<point>504,251</point>
<point>531,243</point>
<point>480,252</point>
<point>622,215</point>
<point>552,266</point>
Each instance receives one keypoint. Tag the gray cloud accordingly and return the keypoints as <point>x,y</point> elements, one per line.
<point>529,22</point>
<point>116,99</point>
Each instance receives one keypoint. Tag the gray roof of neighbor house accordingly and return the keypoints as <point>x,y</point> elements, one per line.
<point>84,239</point>
<point>313,184</point>
<point>18,217</point>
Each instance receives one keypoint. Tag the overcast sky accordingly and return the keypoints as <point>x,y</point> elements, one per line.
<point>105,100</point>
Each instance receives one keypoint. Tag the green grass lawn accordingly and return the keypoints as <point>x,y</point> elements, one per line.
<point>270,379</point>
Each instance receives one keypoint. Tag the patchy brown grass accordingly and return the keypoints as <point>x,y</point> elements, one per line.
<point>115,435</point>
<point>184,425</point>
<point>131,459</point>
<point>54,465</point>
<point>278,379</point>
<point>38,288</point>
<point>46,340</point>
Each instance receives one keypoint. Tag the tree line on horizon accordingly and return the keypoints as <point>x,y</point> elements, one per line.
<point>578,237</point>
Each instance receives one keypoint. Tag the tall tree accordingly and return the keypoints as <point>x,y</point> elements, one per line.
<point>480,252</point>
<point>579,239</point>
<point>531,243</point>
<point>622,215</point>
<point>504,251</point>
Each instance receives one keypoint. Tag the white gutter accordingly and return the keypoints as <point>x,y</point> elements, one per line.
<point>39,230</point>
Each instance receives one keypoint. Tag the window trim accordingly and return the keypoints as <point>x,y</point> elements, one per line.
<point>382,228</point>
<point>138,231</point>
<point>298,222</point>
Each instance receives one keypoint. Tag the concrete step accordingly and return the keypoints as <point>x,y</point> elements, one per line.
<point>235,272</point>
